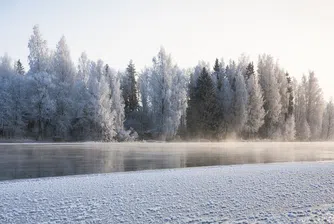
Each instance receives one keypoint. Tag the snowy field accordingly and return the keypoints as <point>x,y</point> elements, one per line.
<point>271,193</point>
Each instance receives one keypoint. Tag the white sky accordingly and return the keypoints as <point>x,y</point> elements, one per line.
<point>300,33</point>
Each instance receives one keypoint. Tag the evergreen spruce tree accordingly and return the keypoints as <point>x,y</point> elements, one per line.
<point>192,125</point>
<point>249,71</point>
<point>19,68</point>
<point>207,106</point>
<point>217,74</point>
<point>129,90</point>
<point>289,128</point>
<point>291,95</point>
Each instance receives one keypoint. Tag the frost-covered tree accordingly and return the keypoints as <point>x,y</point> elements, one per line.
<point>83,112</point>
<point>83,68</point>
<point>53,99</point>
<point>218,73</point>
<point>289,130</point>
<point>240,104</point>
<point>42,105</point>
<point>192,115</point>
<point>10,100</point>
<point>315,104</point>
<point>217,78</point>
<point>328,121</point>
<point>255,110</point>
<point>117,106</point>
<point>289,127</point>
<point>179,99</point>
<point>243,63</point>
<point>84,103</point>
<point>230,71</point>
<point>302,127</point>
<point>249,71</point>
<point>282,83</point>
<point>64,74</point>
<point>63,66</point>
<point>19,68</point>
<point>226,96</point>
<point>38,52</point>
<point>141,120</point>
<point>144,91</point>
<point>102,116</point>
<point>272,99</point>
<point>162,82</point>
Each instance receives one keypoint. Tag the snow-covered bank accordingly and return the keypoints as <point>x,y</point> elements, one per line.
<point>289,192</point>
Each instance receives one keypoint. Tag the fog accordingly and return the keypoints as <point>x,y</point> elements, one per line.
<point>45,160</point>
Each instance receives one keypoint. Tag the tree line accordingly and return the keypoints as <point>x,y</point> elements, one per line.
<point>54,99</point>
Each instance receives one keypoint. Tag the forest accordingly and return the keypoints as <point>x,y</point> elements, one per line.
<point>56,99</point>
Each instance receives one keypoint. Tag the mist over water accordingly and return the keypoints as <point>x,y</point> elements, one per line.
<point>45,160</point>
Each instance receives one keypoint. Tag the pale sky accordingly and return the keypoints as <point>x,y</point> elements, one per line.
<point>299,33</point>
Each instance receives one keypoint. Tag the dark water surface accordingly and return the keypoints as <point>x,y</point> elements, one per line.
<point>44,160</point>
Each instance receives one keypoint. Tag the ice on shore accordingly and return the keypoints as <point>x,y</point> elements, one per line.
<point>271,193</point>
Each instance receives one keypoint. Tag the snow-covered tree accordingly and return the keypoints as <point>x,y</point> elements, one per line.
<point>83,112</point>
<point>315,104</point>
<point>289,130</point>
<point>144,91</point>
<point>41,86</point>
<point>272,99</point>
<point>255,110</point>
<point>63,66</point>
<point>289,124</point>
<point>19,68</point>
<point>84,103</point>
<point>282,83</point>
<point>302,127</point>
<point>42,105</point>
<point>38,52</point>
<point>328,121</point>
<point>243,63</point>
<point>218,73</point>
<point>218,77</point>
<point>83,67</point>
<point>192,115</point>
<point>164,101</point>
<point>249,71</point>
<point>103,116</point>
<point>6,103</point>
<point>117,106</point>
<point>240,104</point>
<point>161,86</point>
<point>179,100</point>
<point>226,96</point>
<point>230,71</point>
<point>64,74</point>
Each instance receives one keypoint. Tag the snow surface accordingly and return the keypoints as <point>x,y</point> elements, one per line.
<point>270,193</point>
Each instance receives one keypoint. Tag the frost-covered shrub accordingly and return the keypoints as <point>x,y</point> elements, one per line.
<point>127,135</point>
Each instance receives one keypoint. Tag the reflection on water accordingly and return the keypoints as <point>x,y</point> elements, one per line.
<point>44,160</point>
